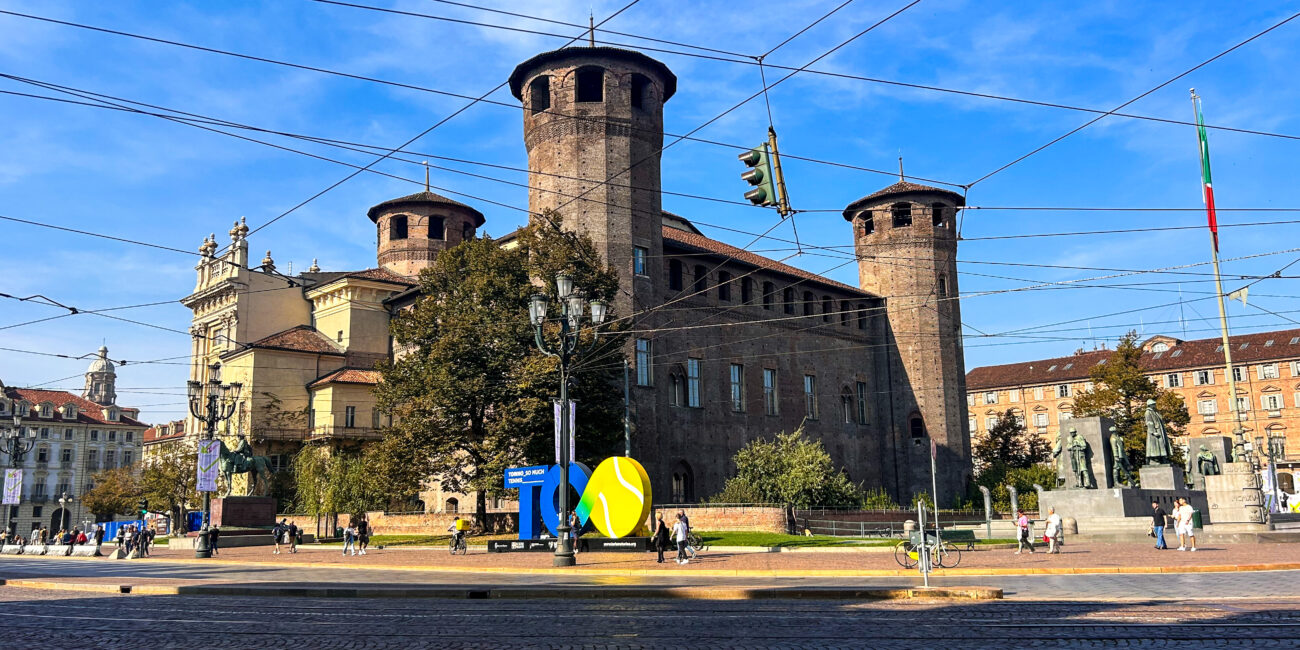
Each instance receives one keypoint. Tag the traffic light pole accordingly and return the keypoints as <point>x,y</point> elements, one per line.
<point>783,198</point>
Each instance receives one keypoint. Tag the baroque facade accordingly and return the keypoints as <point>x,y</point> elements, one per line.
<point>1266,366</point>
<point>76,436</point>
<point>727,345</point>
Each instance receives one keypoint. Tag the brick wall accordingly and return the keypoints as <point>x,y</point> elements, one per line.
<point>769,519</point>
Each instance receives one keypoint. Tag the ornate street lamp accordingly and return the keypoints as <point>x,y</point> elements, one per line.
<point>211,403</point>
<point>572,305</point>
<point>17,446</point>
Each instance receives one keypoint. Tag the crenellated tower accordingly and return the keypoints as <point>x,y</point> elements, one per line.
<point>905,237</point>
<point>413,229</point>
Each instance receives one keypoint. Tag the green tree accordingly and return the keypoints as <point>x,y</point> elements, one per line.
<point>169,480</point>
<point>789,469</point>
<point>328,481</point>
<point>472,395</point>
<point>1120,392</point>
<point>1008,445</point>
<point>116,492</point>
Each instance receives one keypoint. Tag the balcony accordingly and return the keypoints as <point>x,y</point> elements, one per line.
<point>260,434</point>
<point>42,463</point>
<point>346,433</point>
<point>92,467</point>
<point>39,498</point>
<point>65,464</point>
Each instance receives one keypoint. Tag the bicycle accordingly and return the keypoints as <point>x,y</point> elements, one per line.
<point>694,542</point>
<point>943,555</point>
<point>457,544</point>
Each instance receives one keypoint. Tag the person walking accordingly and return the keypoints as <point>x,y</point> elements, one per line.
<point>1159,518</point>
<point>363,536</point>
<point>679,534</point>
<point>661,537</point>
<point>1053,531</point>
<point>293,537</point>
<point>574,526</point>
<point>350,539</point>
<point>128,539</point>
<point>1023,535</point>
<point>1183,526</point>
<point>99,538</point>
<point>277,535</point>
<point>214,536</point>
<point>690,550</point>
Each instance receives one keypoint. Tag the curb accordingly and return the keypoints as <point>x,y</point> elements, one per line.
<point>672,593</point>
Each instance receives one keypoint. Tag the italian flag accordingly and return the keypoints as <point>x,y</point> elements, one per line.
<point>1208,189</point>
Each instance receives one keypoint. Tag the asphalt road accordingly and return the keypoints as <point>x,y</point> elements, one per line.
<point>35,618</point>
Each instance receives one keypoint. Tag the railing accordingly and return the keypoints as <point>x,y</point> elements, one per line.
<point>65,464</point>
<point>835,528</point>
<point>39,498</point>
<point>361,433</point>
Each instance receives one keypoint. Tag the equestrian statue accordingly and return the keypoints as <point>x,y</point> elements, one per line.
<point>241,460</point>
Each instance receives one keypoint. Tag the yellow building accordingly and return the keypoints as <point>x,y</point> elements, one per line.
<point>1266,366</point>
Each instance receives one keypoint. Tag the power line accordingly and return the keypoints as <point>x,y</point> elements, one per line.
<point>1148,92</point>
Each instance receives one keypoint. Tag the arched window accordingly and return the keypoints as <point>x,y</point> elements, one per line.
<point>589,84</point>
<point>902,213</point>
<point>397,227</point>
<point>808,303</point>
<point>769,295</point>
<point>539,94</point>
<point>788,300</point>
<point>675,275</point>
<point>844,313</point>
<point>747,291</point>
<point>917,427</point>
<point>466,231</point>
<point>452,505</point>
<point>640,91</point>
<point>938,214</point>
<point>868,222</point>
<point>828,306</point>
<point>683,483</point>
<point>862,316</point>
<point>846,405</point>
<point>724,286</point>
<point>674,389</point>
<point>701,283</point>
<point>941,286</point>
<point>437,228</point>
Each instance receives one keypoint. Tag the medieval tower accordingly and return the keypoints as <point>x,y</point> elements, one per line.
<point>905,237</point>
<point>413,229</point>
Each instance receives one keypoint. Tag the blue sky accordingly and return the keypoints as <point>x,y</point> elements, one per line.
<point>143,178</point>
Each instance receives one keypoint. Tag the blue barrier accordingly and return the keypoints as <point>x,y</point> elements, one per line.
<point>111,527</point>
<point>194,520</point>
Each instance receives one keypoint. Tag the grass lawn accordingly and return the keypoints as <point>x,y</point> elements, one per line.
<point>424,540</point>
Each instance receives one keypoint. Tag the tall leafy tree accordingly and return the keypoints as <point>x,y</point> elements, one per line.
<point>1120,392</point>
<point>1009,446</point>
<point>788,469</point>
<point>169,480</point>
<point>471,394</point>
<point>116,492</point>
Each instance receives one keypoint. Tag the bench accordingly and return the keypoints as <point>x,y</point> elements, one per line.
<point>966,537</point>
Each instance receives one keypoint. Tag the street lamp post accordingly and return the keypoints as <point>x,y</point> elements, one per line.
<point>211,403</point>
<point>572,305</point>
<point>65,517</point>
<point>17,447</point>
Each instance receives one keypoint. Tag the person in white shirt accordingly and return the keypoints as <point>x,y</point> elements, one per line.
<point>679,534</point>
<point>1183,526</point>
<point>1053,531</point>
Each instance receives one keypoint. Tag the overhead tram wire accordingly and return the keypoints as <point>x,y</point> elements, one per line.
<point>1131,101</point>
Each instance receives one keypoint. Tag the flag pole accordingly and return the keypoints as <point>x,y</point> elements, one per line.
<point>1207,195</point>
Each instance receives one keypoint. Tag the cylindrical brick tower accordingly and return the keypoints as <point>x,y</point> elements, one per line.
<point>593,126</point>
<point>905,237</point>
<point>414,229</point>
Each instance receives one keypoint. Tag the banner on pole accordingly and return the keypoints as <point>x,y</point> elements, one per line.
<point>209,454</point>
<point>13,486</point>
<point>573,430</point>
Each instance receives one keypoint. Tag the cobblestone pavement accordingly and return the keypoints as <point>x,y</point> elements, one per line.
<point>62,619</point>
<point>1110,587</point>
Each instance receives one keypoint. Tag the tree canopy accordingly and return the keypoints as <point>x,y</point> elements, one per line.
<point>788,469</point>
<point>1009,446</point>
<point>1120,392</point>
<point>469,392</point>
<point>116,492</point>
<point>169,480</point>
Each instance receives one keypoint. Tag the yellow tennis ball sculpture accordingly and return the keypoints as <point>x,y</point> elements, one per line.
<point>617,499</point>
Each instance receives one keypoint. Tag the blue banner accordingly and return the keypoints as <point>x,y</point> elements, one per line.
<point>521,476</point>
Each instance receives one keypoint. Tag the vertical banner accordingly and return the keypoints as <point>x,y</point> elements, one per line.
<point>573,430</point>
<point>556,404</point>
<point>13,486</point>
<point>209,454</point>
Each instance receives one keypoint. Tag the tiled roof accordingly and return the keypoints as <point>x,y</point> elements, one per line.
<point>704,244</point>
<point>303,338</point>
<point>901,187</point>
<point>423,197</point>
<point>348,376</point>
<point>88,411</point>
<point>1185,355</point>
<point>177,431</point>
<point>379,274</point>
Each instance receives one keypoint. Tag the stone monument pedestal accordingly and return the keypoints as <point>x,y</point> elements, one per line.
<point>1220,446</point>
<point>1235,500</point>
<point>243,511</point>
<point>1161,477</point>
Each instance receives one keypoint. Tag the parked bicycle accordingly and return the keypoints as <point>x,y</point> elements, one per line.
<point>943,555</point>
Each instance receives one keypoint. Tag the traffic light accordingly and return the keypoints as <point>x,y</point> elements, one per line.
<point>759,175</point>
<point>144,506</point>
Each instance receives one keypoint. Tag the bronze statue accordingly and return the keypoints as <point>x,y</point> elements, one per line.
<point>1158,449</point>
<point>1207,463</point>
<point>242,461</point>
<point>1121,471</point>
<point>1079,461</point>
<point>1060,459</point>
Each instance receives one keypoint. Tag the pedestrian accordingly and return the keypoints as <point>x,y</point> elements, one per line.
<point>574,526</point>
<point>81,538</point>
<point>679,534</point>
<point>128,539</point>
<point>293,537</point>
<point>1053,532</point>
<point>363,535</point>
<point>297,540</point>
<point>277,535</point>
<point>1183,526</point>
<point>690,550</point>
<point>661,537</point>
<point>1159,518</point>
<point>99,537</point>
<point>214,536</point>
<point>1023,535</point>
<point>349,539</point>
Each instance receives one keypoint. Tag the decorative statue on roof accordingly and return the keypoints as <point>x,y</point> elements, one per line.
<point>1121,471</point>
<point>1158,449</point>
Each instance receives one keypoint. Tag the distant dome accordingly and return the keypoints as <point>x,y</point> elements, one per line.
<point>101,364</point>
